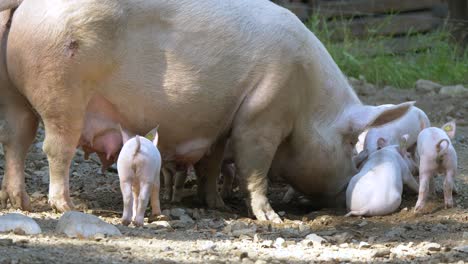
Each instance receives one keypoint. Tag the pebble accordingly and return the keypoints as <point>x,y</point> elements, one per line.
<point>160,224</point>
<point>81,225</point>
<point>177,212</point>
<point>5,242</point>
<point>280,242</point>
<point>433,247</point>
<point>238,228</point>
<point>380,253</point>
<point>465,235</point>
<point>19,224</point>
<point>454,90</point>
<point>426,86</point>
<point>463,248</point>
<point>363,244</point>
<point>313,240</point>
<point>362,224</point>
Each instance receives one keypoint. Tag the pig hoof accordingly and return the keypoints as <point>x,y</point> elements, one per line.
<point>160,217</point>
<point>213,200</point>
<point>61,205</point>
<point>125,222</point>
<point>18,199</point>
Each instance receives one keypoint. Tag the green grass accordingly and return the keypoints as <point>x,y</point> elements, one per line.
<point>444,62</point>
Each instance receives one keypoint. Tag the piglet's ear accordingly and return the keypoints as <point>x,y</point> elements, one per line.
<point>126,136</point>
<point>450,128</point>
<point>356,118</point>
<point>381,143</point>
<point>153,135</point>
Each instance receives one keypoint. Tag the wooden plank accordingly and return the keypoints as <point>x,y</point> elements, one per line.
<point>389,25</point>
<point>364,7</point>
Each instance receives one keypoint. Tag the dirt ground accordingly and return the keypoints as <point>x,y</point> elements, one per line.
<point>398,238</point>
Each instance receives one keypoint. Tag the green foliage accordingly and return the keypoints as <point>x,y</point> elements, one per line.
<point>434,57</point>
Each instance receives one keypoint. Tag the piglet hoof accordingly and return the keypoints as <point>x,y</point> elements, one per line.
<point>448,204</point>
<point>226,193</point>
<point>125,222</point>
<point>138,223</point>
<point>266,213</point>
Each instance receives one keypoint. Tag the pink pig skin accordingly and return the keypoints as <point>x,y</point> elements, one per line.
<point>139,165</point>
<point>436,155</point>
<point>412,123</point>
<point>377,188</point>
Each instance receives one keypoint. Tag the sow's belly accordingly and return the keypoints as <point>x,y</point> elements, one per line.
<point>187,125</point>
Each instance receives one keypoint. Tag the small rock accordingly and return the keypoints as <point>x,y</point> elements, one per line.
<point>280,242</point>
<point>289,232</point>
<point>260,261</point>
<point>380,253</point>
<point>465,235</point>
<point>81,225</point>
<point>363,244</point>
<point>344,245</point>
<point>281,213</point>
<point>463,248</point>
<point>37,195</point>
<point>396,232</point>
<point>5,242</point>
<point>439,227</point>
<point>426,86</point>
<point>433,247</point>
<point>454,90</point>
<point>160,224</point>
<point>237,228</point>
<point>177,212</point>
<point>208,245</point>
<point>342,237</point>
<point>267,244</point>
<point>362,224</point>
<point>19,223</point>
<point>186,219</point>
<point>304,229</point>
<point>313,240</point>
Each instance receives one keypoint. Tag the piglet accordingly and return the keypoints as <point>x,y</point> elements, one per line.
<point>412,123</point>
<point>139,165</point>
<point>436,154</point>
<point>377,188</point>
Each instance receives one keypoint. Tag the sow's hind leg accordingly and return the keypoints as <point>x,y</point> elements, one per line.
<point>208,170</point>
<point>18,134</point>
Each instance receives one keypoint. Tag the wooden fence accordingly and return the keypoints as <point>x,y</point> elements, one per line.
<point>396,18</point>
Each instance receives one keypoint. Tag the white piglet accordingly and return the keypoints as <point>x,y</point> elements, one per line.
<point>436,154</point>
<point>377,188</point>
<point>139,165</point>
<point>411,124</point>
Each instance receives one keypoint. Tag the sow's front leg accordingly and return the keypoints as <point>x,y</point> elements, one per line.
<point>17,133</point>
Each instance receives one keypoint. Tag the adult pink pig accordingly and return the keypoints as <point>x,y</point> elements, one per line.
<point>436,154</point>
<point>203,70</point>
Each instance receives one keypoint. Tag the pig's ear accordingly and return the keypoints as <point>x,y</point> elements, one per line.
<point>153,135</point>
<point>450,128</point>
<point>125,134</point>
<point>357,118</point>
<point>381,143</point>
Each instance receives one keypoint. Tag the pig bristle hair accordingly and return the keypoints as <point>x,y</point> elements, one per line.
<point>137,149</point>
